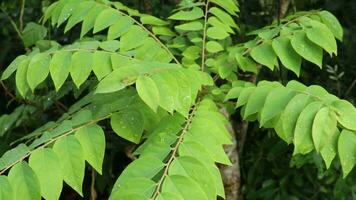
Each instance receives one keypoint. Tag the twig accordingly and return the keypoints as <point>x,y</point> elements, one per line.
<point>350,88</point>
<point>12,23</point>
<point>173,155</point>
<point>23,2</point>
<point>204,35</point>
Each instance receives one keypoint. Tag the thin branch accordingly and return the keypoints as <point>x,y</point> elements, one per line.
<point>204,35</point>
<point>152,35</point>
<point>174,153</point>
<point>12,23</point>
<point>23,2</point>
<point>54,140</point>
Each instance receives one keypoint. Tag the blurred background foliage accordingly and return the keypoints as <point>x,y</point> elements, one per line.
<point>267,167</point>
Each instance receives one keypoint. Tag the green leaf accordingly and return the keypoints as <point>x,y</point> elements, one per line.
<point>244,96</point>
<point>81,66</point>
<point>275,103</point>
<point>21,78</point>
<point>38,70</point>
<point>289,58</point>
<point>223,16</point>
<point>324,127</point>
<point>328,152</point>
<point>120,27</point>
<point>128,125</point>
<point>290,116</point>
<point>184,187</point>
<point>347,151</point>
<point>68,9</point>
<point>129,40</point>
<point>264,55</point>
<point>190,26</point>
<point>246,64</point>
<point>90,19</point>
<point>214,47</point>
<point>6,191</point>
<point>105,19</point>
<point>32,33</point>
<point>72,161</point>
<point>303,140</point>
<point>346,114</point>
<point>135,188</point>
<point>148,91</point>
<point>168,196</point>
<point>167,89</point>
<point>80,12</point>
<point>332,23</point>
<point>151,20</point>
<point>163,31</point>
<point>147,167</point>
<point>256,100</point>
<point>229,5</point>
<point>194,14</point>
<point>45,164</point>
<point>117,80</point>
<point>24,182</point>
<point>217,33</point>
<point>13,67</point>
<point>110,45</point>
<point>307,49</point>
<point>193,168</point>
<point>92,140</point>
<point>322,36</point>
<point>59,68</point>
<point>101,64</point>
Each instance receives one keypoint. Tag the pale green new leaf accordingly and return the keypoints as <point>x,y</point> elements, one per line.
<point>38,70</point>
<point>193,168</point>
<point>92,140</point>
<point>129,40</point>
<point>307,49</point>
<point>217,33</point>
<point>303,140</point>
<point>265,55</point>
<point>101,64</point>
<point>81,67</point>
<point>21,78</point>
<point>105,19</point>
<point>290,116</point>
<point>24,182</point>
<point>195,13</point>
<point>190,26</point>
<point>120,27</point>
<point>72,161</point>
<point>184,187</point>
<point>332,23</point>
<point>214,47</point>
<point>289,58</point>
<point>324,127</point>
<point>346,114</point>
<point>148,91</point>
<point>13,67</point>
<point>322,36</point>
<point>59,68</point>
<point>45,164</point>
<point>347,151</point>
<point>80,12</point>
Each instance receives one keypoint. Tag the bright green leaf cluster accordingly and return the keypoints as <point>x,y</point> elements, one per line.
<point>177,160</point>
<point>302,35</point>
<point>308,117</point>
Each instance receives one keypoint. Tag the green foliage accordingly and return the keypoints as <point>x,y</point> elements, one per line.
<point>158,89</point>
